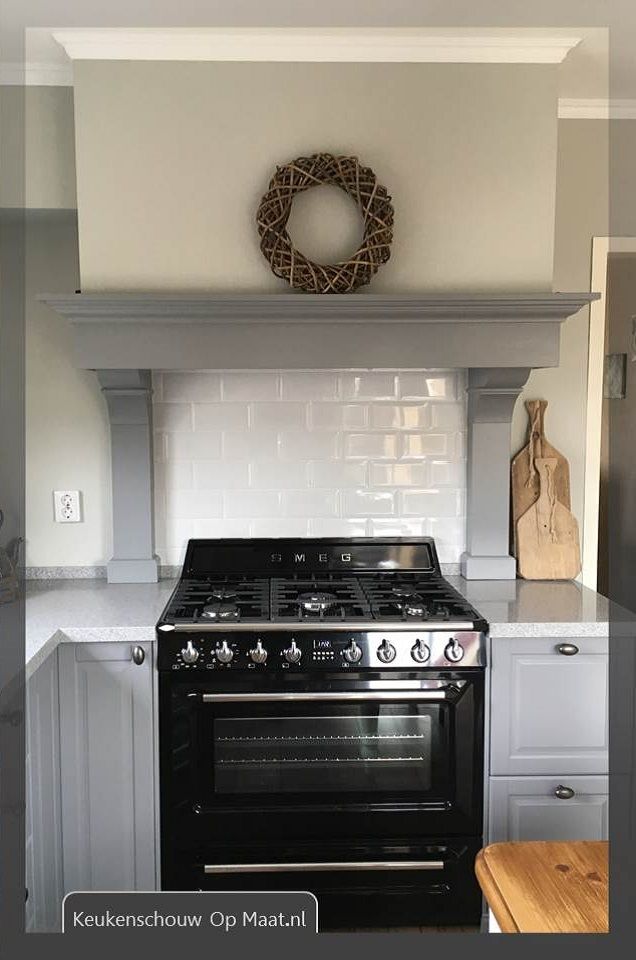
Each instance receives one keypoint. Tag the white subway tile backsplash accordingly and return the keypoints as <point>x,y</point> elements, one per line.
<point>430,503</point>
<point>190,446</point>
<point>250,504</point>
<point>251,386</point>
<point>371,445</point>
<point>221,416</point>
<point>431,384</point>
<point>309,386</point>
<point>250,445</point>
<point>309,453</point>
<point>279,416</point>
<point>193,504</point>
<point>277,475</point>
<point>337,474</point>
<point>399,474</point>
<point>338,416</point>
<point>310,503</point>
<point>193,385</point>
<point>400,416</point>
<point>220,474</point>
<point>341,527</point>
<point>367,503</point>
<point>302,445</point>
<point>372,385</point>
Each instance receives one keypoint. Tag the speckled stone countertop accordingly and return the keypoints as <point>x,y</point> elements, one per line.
<point>90,611</point>
<point>83,611</point>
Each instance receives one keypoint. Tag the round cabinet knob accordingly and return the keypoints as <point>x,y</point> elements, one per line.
<point>454,651</point>
<point>564,793</point>
<point>224,653</point>
<point>352,653</point>
<point>420,651</point>
<point>189,654</point>
<point>568,649</point>
<point>258,654</point>
<point>386,652</point>
<point>293,653</point>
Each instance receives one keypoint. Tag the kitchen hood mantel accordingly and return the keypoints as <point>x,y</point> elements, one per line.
<point>498,338</point>
<point>296,331</point>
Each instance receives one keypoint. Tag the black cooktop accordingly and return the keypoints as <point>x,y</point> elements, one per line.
<point>394,580</point>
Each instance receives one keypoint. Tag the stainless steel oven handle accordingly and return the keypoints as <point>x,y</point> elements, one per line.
<point>437,695</point>
<point>323,866</point>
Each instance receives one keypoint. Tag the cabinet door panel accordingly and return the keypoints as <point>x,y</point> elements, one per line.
<point>527,808</point>
<point>106,715</point>
<point>549,711</point>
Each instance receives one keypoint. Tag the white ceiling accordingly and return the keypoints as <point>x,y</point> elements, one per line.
<point>582,75</point>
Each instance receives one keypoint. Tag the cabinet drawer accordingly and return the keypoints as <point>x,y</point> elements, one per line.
<point>549,709</point>
<point>529,808</point>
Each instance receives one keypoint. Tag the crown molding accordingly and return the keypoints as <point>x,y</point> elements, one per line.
<point>345,44</point>
<point>597,109</point>
<point>36,74</point>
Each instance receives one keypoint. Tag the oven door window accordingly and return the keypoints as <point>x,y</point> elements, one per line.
<point>366,749</point>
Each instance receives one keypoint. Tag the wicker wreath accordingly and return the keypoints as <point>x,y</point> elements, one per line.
<point>372,200</point>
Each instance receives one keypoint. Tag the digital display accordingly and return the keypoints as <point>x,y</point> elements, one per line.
<point>323,644</point>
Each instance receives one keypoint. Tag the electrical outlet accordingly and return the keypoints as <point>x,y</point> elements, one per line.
<point>67,506</point>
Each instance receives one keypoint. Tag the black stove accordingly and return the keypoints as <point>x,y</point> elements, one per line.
<point>321,712</point>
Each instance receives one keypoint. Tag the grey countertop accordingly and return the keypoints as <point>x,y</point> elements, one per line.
<point>82,611</point>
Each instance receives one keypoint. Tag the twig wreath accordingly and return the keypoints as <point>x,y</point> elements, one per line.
<point>372,200</point>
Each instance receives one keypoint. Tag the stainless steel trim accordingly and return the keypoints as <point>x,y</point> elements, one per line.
<point>351,626</point>
<point>329,695</point>
<point>323,866</point>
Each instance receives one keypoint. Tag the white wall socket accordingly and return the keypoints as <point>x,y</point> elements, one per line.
<point>67,506</point>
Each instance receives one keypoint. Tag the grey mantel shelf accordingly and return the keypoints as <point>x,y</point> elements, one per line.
<point>295,331</point>
<point>499,338</point>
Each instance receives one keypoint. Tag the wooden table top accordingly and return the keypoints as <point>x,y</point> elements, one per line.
<point>545,887</point>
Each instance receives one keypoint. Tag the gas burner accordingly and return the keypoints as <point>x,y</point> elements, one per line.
<point>223,592</point>
<point>221,611</point>
<point>415,607</point>
<point>316,601</point>
<point>401,590</point>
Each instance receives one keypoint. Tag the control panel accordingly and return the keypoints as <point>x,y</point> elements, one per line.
<point>315,650</point>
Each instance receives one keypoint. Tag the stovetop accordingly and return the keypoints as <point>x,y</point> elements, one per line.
<point>319,604</point>
<point>405,598</point>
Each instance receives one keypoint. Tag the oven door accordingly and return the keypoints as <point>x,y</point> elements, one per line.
<point>407,755</point>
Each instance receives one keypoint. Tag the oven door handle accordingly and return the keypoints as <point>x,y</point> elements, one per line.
<point>293,696</point>
<point>325,866</point>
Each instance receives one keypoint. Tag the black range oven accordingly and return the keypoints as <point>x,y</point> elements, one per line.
<point>335,756</point>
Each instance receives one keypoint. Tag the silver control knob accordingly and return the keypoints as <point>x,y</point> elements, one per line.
<point>420,651</point>
<point>189,654</point>
<point>386,652</point>
<point>258,654</point>
<point>224,653</point>
<point>293,653</point>
<point>352,653</point>
<point>454,651</point>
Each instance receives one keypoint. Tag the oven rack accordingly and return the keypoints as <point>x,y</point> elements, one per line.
<point>280,760</point>
<point>368,736</point>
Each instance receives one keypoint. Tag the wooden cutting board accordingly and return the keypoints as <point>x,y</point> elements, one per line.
<point>547,533</point>
<point>524,475</point>
<point>546,887</point>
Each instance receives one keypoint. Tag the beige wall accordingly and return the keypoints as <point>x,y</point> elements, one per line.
<point>49,176</point>
<point>174,157</point>
<point>581,213</point>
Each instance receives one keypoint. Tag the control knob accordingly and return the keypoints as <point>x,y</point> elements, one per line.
<point>293,653</point>
<point>258,654</point>
<point>386,651</point>
<point>189,654</point>
<point>420,651</point>
<point>224,653</point>
<point>352,653</point>
<point>454,651</point>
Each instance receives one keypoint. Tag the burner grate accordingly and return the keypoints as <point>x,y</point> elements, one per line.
<point>323,599</point>
<point>411,598</point>
<point>221,598</point>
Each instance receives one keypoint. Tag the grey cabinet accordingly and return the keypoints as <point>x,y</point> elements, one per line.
<point>108,763</point>
<point>548,710</point>
<point>527,808</point>
<point>44,877</point>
